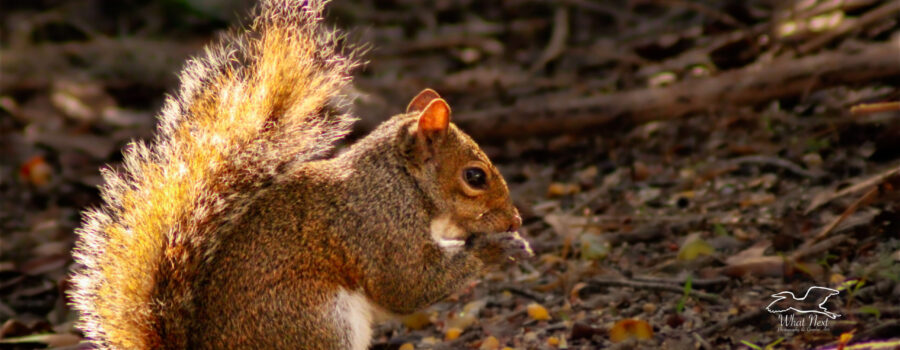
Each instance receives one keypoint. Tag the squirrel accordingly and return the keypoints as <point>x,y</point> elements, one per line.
<point>240,226</point>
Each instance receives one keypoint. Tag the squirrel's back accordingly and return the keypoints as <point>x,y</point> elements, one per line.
<point>253,104</point>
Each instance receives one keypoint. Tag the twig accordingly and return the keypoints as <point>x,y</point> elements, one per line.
<point>810,248</point>
<point>557,43</point>
<point>703,343</point>
<point>859,185</point>
<point>873,193</point>
<point>696,282</point>
<point>599,283</point>
<point>519,291</point>
<point>878,107</point>
<point>778,162</point>
<point>865,199</point>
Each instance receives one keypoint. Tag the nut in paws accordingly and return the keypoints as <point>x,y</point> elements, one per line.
<point>498,248</point>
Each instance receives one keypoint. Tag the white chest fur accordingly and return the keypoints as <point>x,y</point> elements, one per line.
<point>356,313</point>
<point>448,235</point>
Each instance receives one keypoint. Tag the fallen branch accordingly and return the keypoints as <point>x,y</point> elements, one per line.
<point>751,85</point>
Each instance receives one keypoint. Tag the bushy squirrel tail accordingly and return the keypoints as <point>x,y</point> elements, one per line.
<point>261,99</point>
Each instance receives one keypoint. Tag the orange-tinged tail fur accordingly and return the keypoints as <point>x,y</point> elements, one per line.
<point>253,104</point>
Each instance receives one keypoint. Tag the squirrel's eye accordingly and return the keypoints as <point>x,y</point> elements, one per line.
<point>475,177</point>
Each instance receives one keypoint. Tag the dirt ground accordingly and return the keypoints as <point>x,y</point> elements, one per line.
<point>676,162</point>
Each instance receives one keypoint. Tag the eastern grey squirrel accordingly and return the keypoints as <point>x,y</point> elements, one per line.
<point>235,228</point>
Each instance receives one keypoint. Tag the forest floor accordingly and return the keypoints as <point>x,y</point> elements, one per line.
<point>676,162</point>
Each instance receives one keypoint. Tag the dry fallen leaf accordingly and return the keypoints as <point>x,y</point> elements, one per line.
<point>452,333</point>
<point>559,189</point>
<point>538,312</point>
<point>756,199</point>
<point>755,251</point>
<point>752,261</point>
<point>594,246</point>
<point>568,225</point>
<point>693,247</point>
<point>553,341</point>
<point>36,171</point>
<point>763,266</point>
<point>468,316</point>
<point>416,320</point>
<point>630,328</point>
<point>490,343</point>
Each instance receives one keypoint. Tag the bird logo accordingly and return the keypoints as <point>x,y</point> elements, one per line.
<point>812,302</point>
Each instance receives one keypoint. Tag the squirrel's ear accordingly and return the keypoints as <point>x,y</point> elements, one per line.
<point>422,100</point>
<point>431,129</point>
<point>435,118</point>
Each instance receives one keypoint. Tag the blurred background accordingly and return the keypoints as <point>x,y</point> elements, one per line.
<point>676,161</point>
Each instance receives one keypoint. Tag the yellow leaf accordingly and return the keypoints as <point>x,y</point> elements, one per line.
<point>416,321</point>
<point>538,312</point>
<point>452,333</point>
<point>490,343</point>
<point>553,341</point>
<point>630,328</point>
<point>559,189</point>
<point>694,247</point>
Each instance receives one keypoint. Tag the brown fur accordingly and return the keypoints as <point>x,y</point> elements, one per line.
<point>229,230</point>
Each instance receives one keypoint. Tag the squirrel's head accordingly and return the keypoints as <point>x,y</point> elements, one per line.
<point>450,167</point>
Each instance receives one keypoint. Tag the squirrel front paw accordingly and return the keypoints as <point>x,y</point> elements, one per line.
<point>499,248</point>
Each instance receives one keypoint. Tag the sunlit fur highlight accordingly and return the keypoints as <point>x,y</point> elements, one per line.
<point>263,99</point>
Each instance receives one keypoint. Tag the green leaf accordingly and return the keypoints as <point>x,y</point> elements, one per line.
<point>751,345</point>
<point>871,310</point>
<point>687,292</point>
<point>695,248</point>
<point>719,229</point>
<point>594,246</point>
<point>772,344</point>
